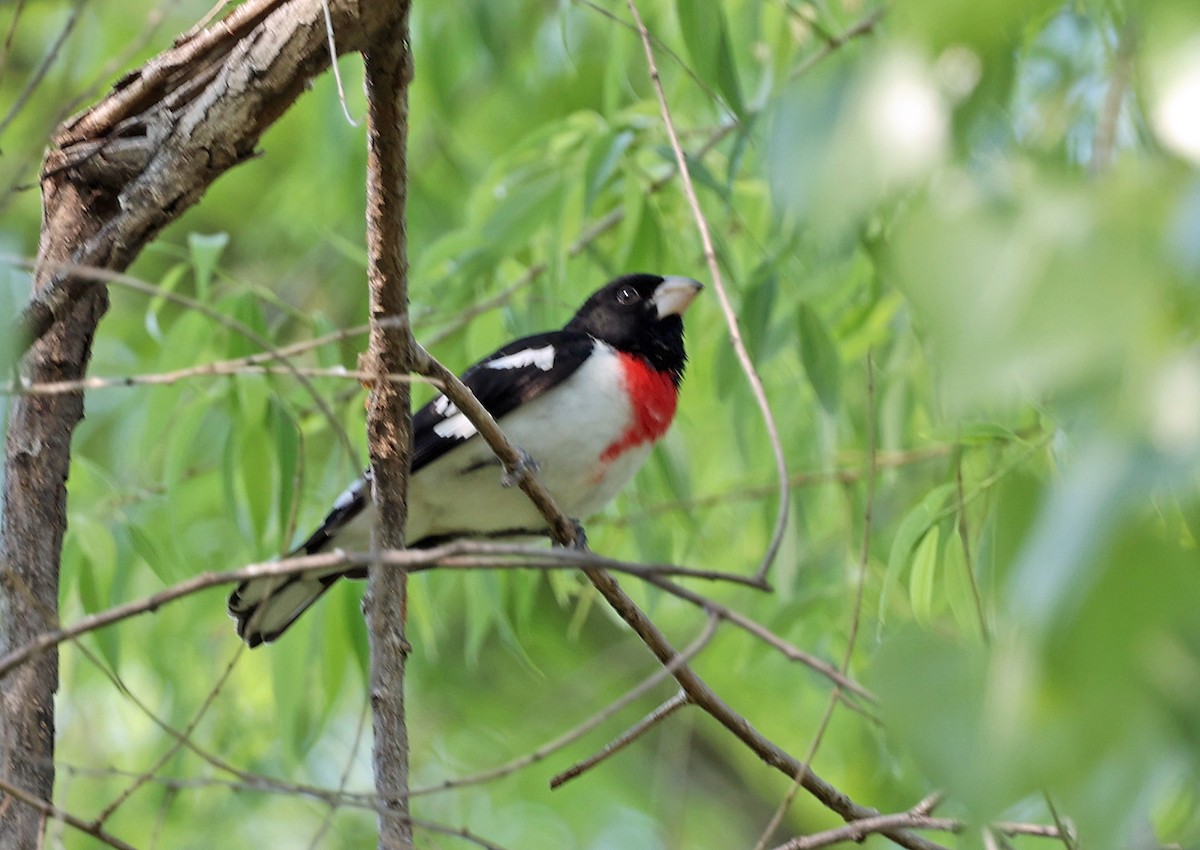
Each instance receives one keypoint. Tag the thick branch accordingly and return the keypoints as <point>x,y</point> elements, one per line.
<point>116,176</point>
<point>389,422</point>
<point>130,165</point>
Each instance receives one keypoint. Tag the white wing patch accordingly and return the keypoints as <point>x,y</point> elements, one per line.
<point>442,405</point>
<point>454,427</point>
<point>542,358</point>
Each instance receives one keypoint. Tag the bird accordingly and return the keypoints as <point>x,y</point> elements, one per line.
<point>585,403</point>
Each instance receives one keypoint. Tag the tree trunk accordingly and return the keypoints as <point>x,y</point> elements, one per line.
<point>115,176</point>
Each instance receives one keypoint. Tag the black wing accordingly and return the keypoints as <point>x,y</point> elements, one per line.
<point>530,367</point>
<point>502,381</point>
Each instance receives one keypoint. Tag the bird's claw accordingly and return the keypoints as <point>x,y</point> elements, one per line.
<point>514,474</point>
<point>579,534</point>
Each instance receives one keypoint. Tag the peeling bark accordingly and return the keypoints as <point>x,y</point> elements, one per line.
<point>115,176</point>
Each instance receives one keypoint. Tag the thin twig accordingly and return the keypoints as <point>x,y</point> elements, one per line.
<point>915,818</point>
<point>463,554</point>
<point>855,619</point>
<point>217,369</point>
<point>96,274</point>
<point>731,319</point>
<point>964,539</point>
<point>865,26</point>
<point>661,713</point>
<point>764,634</point>
<point>150,772</point>
<point>54,812</point>
<point>637,692</point>
<point>334,805</point>
<point>44,68</point>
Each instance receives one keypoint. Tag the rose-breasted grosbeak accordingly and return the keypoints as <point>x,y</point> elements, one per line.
<point>586,402</point>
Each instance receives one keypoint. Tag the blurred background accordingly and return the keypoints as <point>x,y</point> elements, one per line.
<point>963,243</point>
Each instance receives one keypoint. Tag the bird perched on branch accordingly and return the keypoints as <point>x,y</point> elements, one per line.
<point>587,403</point>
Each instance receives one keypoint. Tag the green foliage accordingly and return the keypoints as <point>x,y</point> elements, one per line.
<point>978,199</point>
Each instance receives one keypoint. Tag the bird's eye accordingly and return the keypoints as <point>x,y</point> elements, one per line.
<point>627,295</point>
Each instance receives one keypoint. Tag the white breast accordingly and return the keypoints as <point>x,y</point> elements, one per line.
<point>565,431</point>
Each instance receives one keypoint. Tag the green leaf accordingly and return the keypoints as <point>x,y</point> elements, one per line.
<point>168,283</point>
<point>354,628</point>
<point>957,583</point>
<point>706,33</point>
<point>286,437</point>
<point>483,610</point>
<point>256,472</point>
<point>99,549</point>
<point>924,574</point>
<point>205,250</point>
<point>758,308</point>
<point>292,674</point>
<point>149,551</point>
<point>602,164</point>
<point>910,531</point>
<point>820,357</point>
<point>246,309</point>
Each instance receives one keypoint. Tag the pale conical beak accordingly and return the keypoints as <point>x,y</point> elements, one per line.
<point>674,294</point>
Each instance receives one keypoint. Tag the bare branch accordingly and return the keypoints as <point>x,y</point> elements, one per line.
<point>388,63</point>
<point>148,774</point>
<point>87,274</point>
<point>463,554</point>
<point>642,688</point>
<point>47,61</point>
<point>204,370</point>
<point>762,633</point>
<point>731,319</point>
<point>915,818</point>
<point>865,26</point>
<point>49,810</point>
<point>855,616</point>
<point>652,719</point>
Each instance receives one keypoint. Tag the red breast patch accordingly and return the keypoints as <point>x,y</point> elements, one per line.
<point>652,395</point>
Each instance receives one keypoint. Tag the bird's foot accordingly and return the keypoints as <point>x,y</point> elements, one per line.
<point>580,535</point>
<point>514,474</point>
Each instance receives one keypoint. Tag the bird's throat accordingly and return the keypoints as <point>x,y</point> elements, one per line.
<point>652,394</point>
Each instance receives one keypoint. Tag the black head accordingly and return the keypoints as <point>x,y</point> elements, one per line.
<point>641,314</point>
